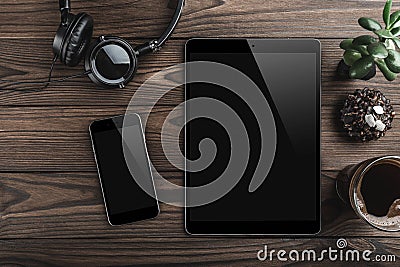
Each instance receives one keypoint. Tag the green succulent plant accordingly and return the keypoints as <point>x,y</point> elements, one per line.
<point>363,53</point>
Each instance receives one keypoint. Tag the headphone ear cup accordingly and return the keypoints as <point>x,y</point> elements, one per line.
<point>111,62</point>
<point>61,35</point>
<point>77,40</point>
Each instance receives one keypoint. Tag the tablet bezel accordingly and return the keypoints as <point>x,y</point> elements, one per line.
<point>198,45</point>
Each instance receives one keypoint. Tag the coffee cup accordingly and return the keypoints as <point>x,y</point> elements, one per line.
<point>372,189</point>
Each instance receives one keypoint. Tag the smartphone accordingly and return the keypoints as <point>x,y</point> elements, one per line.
<point>124,199</point>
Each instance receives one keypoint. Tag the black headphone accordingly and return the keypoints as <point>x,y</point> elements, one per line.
<point>109,61</point>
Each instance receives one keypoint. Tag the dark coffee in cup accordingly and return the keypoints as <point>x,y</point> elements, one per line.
<point>372,188</point>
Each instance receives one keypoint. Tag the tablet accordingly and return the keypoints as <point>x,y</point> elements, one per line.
<point>276,176</point>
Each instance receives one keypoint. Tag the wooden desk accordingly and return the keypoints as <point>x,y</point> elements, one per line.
<point>51,209</point>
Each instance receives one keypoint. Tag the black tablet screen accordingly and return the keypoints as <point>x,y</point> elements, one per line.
<point>290,192</point>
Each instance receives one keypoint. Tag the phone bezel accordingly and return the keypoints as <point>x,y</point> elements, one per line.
<point>111,124</point>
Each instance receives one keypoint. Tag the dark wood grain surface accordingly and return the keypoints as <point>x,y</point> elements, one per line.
<point>51,210</point>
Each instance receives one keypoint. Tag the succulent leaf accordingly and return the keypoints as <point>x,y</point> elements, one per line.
<point>394,18</point>
<point>393,61</point>
<point>386,13</point>
<point>362,49</point>
<point>364,40</point>
<point>384,33</point>
<point>395,25</point>
<point>389,75</point>
<point>346,44</point>
<point>389,43</point>
<point>377,50</point>
<point>369,24</point>
<point>361,67</point>
<point>395,31</point>
<point>396,41</point>
<point>351,56</point>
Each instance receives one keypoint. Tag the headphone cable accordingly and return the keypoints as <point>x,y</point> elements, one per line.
<point>48,81</point>
<point>51,71</point>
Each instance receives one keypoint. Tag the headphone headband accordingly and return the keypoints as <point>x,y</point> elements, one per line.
<point>156,44</point>
<point>64,4</point>
<point>65,7</point>
<point>152,46</point>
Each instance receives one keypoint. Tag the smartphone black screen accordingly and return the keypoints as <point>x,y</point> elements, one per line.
<point>125,200</point>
